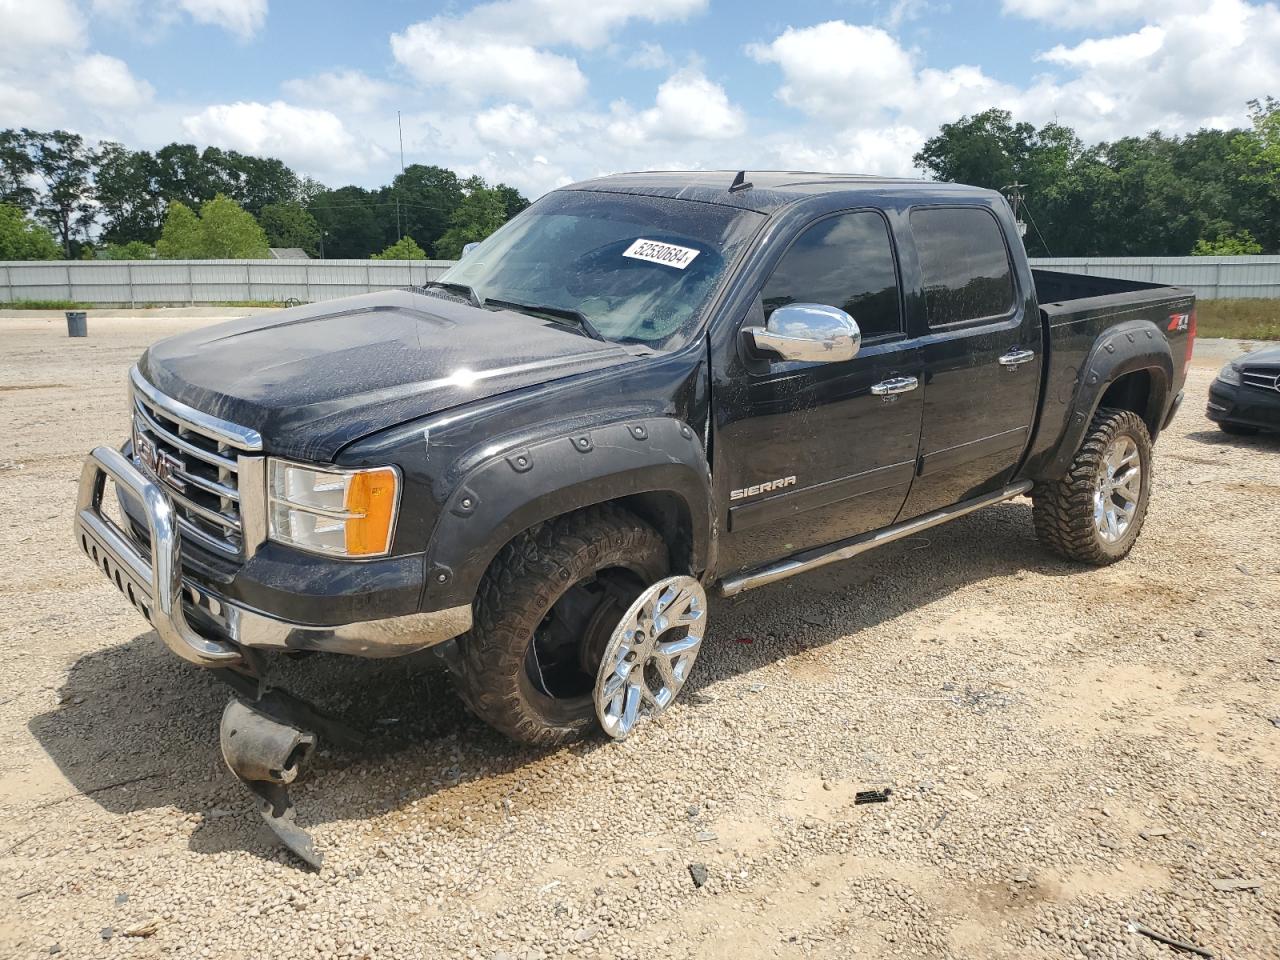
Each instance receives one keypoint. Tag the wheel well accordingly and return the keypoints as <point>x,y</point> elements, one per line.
<point>1139,392</point>
<point>668,513</point>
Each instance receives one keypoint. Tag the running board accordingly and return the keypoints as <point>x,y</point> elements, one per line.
<point>812,559</point>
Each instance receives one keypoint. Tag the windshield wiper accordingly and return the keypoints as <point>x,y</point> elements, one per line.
<point>576,317</point>
<point>459,288</point>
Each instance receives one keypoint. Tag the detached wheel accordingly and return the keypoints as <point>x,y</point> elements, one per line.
<point>1094,514</point>
<point>545,613</point>
<point>1237,429</point>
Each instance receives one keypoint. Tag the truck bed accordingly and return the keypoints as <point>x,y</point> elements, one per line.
<point>1076,309</point>
<point>1072,296</point>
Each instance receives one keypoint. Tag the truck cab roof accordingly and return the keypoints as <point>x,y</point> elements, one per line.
<point>770,190</point>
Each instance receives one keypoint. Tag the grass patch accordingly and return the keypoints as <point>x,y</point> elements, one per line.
<point>1238,319</point>
<point>44,305</point>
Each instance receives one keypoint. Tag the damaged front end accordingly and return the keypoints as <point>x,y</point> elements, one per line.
<point>267,735</point>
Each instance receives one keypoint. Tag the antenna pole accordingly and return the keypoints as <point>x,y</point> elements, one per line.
<point>1014,190</point>
<point>400,129</point>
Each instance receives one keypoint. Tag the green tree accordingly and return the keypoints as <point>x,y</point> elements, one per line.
<point>428,197</point>
<point>406,248</point>
<point>64,199</point>
<point>1238,244</point>
<point>20,239</point>
<point>133,250</point>
<point>230,232</point>
<point>351,222</point>
<point>16,170</point>
<point>128,198</point>
<point>481,212</point>
<point>181,237</point>
<point>290,225</point>
<point>512,199</point>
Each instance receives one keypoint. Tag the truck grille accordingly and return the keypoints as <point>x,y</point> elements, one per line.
<point>1264,377</point>
<point>198,465</point>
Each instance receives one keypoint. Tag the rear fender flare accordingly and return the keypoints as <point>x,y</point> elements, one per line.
<point>534,481</point>
<point>1125,348</point>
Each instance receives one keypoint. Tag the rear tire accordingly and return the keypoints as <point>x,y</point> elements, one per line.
<point>1095,512</point>
<point>550,598</point>
<point>1237,429</point>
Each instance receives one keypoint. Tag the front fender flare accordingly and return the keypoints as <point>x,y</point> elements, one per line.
<point>528,483</point>
<point>1125,348</point>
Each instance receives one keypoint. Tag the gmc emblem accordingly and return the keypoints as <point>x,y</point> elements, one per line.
<point>161,463</point>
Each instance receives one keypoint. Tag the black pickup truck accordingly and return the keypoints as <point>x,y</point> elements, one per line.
<point>643,387</point>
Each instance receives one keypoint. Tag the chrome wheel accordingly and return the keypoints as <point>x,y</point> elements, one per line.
<point>650,654</point>
<point>1118,489</point>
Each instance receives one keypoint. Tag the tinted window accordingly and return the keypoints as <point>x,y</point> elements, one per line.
<point>844,261</point>
<point>964,264</point>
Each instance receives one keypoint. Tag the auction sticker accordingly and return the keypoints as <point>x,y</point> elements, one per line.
<point>667,254</point>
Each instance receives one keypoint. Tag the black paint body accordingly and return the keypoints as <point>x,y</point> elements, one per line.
<point>528,419</point>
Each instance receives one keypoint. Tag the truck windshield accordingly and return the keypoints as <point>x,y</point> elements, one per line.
<point>640,269</point>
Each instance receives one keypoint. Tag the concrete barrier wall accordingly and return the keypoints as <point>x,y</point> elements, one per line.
<point>141,282</point>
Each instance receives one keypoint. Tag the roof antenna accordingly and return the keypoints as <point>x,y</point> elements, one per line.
<point>740,182</point>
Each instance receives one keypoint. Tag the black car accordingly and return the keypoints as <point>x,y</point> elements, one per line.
<point>1246,396</point>
<point>642,388</point>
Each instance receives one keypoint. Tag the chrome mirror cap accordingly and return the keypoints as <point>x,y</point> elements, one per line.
<point>812,332</point>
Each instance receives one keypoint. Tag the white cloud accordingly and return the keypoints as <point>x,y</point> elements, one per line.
<point>579,23</point>
<point>29,31</point>
<point>499,50</point>
<point>688,106</point>
<point>838,69</point>
<point>241,17</point>
<point>509,125</point>
<point>1186,65</point>
<point>649,56</point>
<point>474,68</point>
<point>315,140</point>
<point>1097,13</point>
<point>348,90</point>
<point>1108,51</point>
<point>104,81</point>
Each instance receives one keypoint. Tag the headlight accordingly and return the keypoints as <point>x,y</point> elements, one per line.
<point>342,513</point>
<point>1230,374</point>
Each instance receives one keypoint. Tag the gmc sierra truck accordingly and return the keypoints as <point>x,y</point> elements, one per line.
<point>642,388</point>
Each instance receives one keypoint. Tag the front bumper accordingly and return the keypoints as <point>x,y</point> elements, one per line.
<point>195,622</point>
<point>1247,405</point>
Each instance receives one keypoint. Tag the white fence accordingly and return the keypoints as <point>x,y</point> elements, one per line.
<point>1212,278</point>
<point>141,282</point>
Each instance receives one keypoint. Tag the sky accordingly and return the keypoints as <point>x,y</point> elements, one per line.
<point>538,93</point>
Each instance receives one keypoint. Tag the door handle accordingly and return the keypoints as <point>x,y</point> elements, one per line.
<point>1016,357</point>
<point>886,388</point>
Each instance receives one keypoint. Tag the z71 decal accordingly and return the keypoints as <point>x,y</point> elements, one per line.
<point>760,488</point>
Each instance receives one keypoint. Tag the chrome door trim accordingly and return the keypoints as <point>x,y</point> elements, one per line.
<point>811,560</point>
<point>895,385</point>
<point>1017,357</point>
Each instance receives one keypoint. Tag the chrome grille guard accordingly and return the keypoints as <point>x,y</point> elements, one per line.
<point>152,584</point>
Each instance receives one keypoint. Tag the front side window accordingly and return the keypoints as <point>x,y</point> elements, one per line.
<point>844,261</point>
<point>964,264</point>
<point>642,269</point>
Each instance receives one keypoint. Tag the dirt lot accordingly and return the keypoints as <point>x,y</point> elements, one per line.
<point>1069,749</point>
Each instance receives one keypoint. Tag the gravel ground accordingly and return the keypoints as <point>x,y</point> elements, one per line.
<point>1068,749</point>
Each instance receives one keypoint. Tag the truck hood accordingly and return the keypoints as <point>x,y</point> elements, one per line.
<point>312,379</point>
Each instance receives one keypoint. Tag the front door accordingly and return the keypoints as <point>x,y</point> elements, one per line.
<point>981,353</point>
<point>812,454</point>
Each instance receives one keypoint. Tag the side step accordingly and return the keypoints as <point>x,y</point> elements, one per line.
<point>820,557</point>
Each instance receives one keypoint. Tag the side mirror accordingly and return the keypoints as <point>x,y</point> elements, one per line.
<point>807,331</point>
<point>468,247</point>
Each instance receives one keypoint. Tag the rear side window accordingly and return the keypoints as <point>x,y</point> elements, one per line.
<point>964,264</point>
<point>844,261</point>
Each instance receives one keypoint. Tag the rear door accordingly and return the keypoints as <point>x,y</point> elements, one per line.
<point>981,355</point>
<point>810,453</point>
